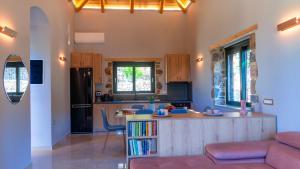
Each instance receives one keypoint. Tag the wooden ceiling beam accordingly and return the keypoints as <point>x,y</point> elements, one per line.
<point>162,4</point>
<point>102,6</point>
<point>80,5</point>
<point>132,6</point>
<point>183,9</point>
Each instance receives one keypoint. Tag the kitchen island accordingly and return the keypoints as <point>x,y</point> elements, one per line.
<point>111,107</point>
<point>187,134</point>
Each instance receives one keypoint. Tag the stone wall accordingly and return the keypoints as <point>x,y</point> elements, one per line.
<point>219,76</point>
<point>219,73</point>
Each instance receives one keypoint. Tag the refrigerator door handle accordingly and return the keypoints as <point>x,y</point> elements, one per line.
<point>78,106</point>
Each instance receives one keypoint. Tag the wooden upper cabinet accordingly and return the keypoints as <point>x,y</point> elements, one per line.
<point>76,60</point>
<point>185,68</point>
<point>87,60</point>
<point>97,68</point>
<point>172,68</point>
<point>178,68</point>
<point>84,60</point>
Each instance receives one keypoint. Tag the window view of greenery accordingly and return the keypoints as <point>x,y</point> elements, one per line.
<point>238,73</point>
<point>234,78</point>
<point>10,79</point>
<point>15,79</point>
<point>143,79</point>
<point>125,79</point>
<point>133,77</point>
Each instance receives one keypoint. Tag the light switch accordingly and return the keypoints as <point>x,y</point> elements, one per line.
<point>268,102</point>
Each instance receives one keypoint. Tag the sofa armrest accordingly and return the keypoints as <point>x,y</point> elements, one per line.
<point>238,151</point>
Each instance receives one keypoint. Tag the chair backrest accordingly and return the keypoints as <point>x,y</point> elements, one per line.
<point>179,111</point>
<point>144,111</point>
<point>285,153</point>
<point>161,106</point>
<point>137,106</point>
<point>104,120</point>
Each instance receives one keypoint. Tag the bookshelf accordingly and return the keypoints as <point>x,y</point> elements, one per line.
<point>141,137</point>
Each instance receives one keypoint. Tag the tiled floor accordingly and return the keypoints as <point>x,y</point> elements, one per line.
<point>82,152</point>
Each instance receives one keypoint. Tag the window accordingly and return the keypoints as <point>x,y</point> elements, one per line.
<point>133,77</point>
<point>15,77</point>
<point>238,73</point>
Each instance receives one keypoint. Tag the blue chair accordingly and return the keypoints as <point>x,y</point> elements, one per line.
<point>111,128</point>
<point>179,111</point>
<point>137,106</point>
<point>161,106</point>
<point>144,111</point>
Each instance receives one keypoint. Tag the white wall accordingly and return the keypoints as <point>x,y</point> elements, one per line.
<point>40,95</point>
<point>14,119</point>
<point>142,34</point>
<point>15,146</point>
<point>277,52</point>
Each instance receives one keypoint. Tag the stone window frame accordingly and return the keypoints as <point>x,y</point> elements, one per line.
<point>219,73</point>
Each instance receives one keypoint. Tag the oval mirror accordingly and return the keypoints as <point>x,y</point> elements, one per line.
<point>15,78</point>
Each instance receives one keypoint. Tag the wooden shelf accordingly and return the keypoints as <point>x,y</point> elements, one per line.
<point>143,137</point>
<point>144,156</point>
<point>155,138</point>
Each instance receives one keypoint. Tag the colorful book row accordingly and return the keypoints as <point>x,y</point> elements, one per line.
<point>142,147</point>
<point>141,129</point>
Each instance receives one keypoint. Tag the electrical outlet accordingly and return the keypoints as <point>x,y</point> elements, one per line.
<point>269,102</point>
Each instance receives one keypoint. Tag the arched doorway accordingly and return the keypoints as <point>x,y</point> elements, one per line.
<point>40,96</point>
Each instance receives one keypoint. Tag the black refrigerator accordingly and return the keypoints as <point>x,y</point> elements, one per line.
<point>81,85</point>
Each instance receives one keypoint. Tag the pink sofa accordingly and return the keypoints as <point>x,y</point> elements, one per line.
<point>282,153</point>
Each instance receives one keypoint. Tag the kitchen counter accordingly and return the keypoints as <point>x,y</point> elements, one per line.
<point>197,115</point>
<point>188,134</point>
<point>143,101</point>
<point>111,107</point>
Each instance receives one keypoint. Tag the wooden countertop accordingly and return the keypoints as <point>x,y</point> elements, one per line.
<point>198,115</point>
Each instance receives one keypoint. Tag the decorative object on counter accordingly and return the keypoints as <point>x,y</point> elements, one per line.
<point>243,107</point>
<point>15,78</point>
<point>170,107</point>
<point>151,104</point>
<point>213,112</point>
<point>163,112</point>
<point>179,111</point>
<point>144,111</point>
<point>98,96</point>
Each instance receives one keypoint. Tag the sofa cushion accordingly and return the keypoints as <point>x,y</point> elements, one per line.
<point>244,166</point>
<point>289,138</point>
<point>193,162</point>
<point>238,151</point>
<point>239,161</point>
<point>281,156</point>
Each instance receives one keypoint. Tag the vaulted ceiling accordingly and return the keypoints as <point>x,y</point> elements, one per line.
<point>132,5</point>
